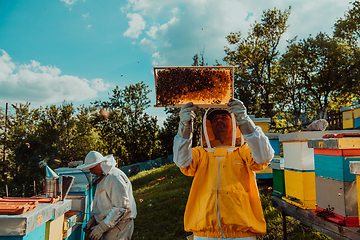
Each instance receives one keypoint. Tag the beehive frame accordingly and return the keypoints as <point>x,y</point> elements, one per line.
<point>200,103</point>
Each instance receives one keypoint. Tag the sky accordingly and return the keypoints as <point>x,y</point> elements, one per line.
<point>79,50</point>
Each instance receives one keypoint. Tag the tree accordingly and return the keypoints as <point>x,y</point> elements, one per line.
<point>130,129</point>
<point>348,27</point>
<point>292,96</point>
<point>328,71</point>
<point>255,59</point>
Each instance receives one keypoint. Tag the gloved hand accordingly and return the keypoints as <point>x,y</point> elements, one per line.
<point>186,116</point>
<point>89,224</point>
<point>244,122</point>
<point>98,231</point>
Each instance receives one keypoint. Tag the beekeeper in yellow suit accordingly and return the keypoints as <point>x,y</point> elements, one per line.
<point>224,200</point>
<point>114,207</point>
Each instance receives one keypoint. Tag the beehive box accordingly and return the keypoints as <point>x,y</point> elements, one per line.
<point>266,173</point>
<point>348,117</point>
<point>277,165</point>
<point>332,156</point>
<point>297,154</point>
<point>275,143</point>
<point>357,116</point>
<point>264,123</point>
<point>355,169</point>
<point>204,86</point>
<point>300,188</point>
<point>338,197</point>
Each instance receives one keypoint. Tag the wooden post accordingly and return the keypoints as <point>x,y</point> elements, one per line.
<point>7,191</point>
<point>284,223</point>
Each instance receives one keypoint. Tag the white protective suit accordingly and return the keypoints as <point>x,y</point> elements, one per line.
<point>114,202</point>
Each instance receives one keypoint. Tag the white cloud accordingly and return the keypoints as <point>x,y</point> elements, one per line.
<point>179,28</point>
<point>136,25</point>
<point>42,85</point>
<point>85,15</point>
<point>69,2</point>
<point>88,27</point>
<point>99,84</point>
<point>147,45</point>
<point>156,30</point>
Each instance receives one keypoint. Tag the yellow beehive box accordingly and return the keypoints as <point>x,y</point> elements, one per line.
<point>266,170</point>
<point>300,188</point>
<point>54,229</point>
<point>348,123</point>
<point>264,123</point>
<point>348,114</point>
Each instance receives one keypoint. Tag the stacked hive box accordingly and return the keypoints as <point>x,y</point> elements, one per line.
<point>355,169</point>
<point>336,192</point>
<point>264,123</point>
<point>299,171</point>
<point>357,117</point>
<point>267,173</point>
<point>277,165</point>
<point>348,117</point>
<point>299,168</point>
<point>81,193</point>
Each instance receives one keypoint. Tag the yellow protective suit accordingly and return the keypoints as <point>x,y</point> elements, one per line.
<point>224,200</point>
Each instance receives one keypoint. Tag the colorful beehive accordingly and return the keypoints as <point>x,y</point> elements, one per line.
<point>357,116</point>
<point>299,168</point>
<point>348,117</point>
<point>355,169</point>
<point>277,165</point>
<point>81,193</point>
<point>264,123</point>
<point>266,173</point>
<point>336,191</point>
<point>275,143</point>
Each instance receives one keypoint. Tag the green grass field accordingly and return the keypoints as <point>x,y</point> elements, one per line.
<point>161,195</point>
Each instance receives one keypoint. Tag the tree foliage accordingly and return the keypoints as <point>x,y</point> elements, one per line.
<point>255,59</point>
<point>130,130</point>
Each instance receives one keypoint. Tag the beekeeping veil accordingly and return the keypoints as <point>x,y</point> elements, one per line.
<point>207,135</point>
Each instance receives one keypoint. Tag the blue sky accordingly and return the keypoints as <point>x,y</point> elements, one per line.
<point>79,50</point>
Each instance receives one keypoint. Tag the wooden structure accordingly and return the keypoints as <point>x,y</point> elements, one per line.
<point>309,218</point>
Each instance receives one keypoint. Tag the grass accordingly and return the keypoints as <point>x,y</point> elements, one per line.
<point>161,195</point>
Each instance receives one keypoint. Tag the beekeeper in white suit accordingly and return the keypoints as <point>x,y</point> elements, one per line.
<point>114,208</point>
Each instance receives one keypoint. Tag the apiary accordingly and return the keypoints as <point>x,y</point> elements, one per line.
<point>355,169</point>
<point>335,184</point>
<point>348,117</point>
<point>204,86</point>
<point>277,166</point>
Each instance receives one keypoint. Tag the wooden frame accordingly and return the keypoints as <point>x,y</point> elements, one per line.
<point>231,68</point>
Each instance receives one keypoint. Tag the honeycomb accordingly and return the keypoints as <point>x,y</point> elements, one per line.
<point>177,86</point>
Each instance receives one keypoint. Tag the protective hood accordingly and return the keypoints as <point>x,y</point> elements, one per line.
<point>208,137</point>
<point>106,166</point>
